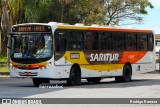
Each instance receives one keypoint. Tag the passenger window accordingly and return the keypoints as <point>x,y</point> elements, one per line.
<point>80,41</point>
<point>91,41</point>
<point>76,41</point>
<point>142,42</point>
<point>118,41</point>
<point>131,42</point>
<point>150,42</point>
<point>60,44</point>
<point>106,42</point>
<point>95,41</point>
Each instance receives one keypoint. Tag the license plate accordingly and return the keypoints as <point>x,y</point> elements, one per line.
<point>27,73</point>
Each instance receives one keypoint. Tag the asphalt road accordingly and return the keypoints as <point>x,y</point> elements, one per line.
<point>141,86</point>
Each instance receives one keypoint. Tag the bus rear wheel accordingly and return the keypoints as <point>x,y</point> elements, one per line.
<point>75,77</point>
<point>38,81</point>
<point>94,80</point>
<point>127,75</point>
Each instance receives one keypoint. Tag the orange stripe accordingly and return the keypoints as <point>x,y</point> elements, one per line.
<point>120,30</point>
<point>132,57</point>
<point>102,28</point>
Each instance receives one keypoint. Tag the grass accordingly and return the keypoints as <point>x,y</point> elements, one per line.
<point>3,68</point>
<point>3,58</point>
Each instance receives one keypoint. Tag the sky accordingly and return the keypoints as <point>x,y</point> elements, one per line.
<point>152,20</point>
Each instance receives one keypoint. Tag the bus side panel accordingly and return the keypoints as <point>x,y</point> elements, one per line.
<point>87,71</point>
<point>147,63</point>
<point>104,70</point>
<point>142,68</point>
<point>62,72</point>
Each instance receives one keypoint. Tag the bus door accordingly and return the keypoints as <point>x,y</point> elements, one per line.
<point>60,50</point>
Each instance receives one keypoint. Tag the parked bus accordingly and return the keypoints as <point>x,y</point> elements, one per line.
<point>73,52</point>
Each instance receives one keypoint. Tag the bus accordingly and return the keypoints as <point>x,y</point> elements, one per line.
<point>56,51</point>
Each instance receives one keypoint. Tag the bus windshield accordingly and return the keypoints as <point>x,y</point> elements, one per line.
<point>31,46</point>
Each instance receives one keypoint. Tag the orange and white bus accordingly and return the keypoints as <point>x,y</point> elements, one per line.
<point>73,52</point>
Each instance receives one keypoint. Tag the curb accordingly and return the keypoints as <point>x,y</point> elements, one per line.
<point>4,73</point>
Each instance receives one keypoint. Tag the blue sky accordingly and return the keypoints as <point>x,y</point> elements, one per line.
<point>152,20</point>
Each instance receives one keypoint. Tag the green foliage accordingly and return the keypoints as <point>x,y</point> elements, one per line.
<point>88,11</point>
<point>74,11</point>
<point>15,8</point>
<point>31,11</point>
<point>3,58</point>
<point>120,10</point>
<point>4,69</point>
<point>3,65</point>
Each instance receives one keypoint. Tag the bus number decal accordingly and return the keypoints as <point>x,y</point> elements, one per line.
<point>74,56</point>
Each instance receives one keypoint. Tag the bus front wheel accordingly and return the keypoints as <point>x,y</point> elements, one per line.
<point>38,81</point>
<point>75,77</point>
<point>127,75</point>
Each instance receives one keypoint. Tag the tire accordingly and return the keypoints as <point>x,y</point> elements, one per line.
<point>127,75</point>
<point>75,77</point>
<point>38,81</point>
<point>94,80</point>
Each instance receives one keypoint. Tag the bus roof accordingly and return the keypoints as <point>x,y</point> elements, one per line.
<point>102,28</point>
<point>83,27</point>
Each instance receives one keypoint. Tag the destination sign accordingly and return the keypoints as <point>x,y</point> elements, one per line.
<point>32,28</point>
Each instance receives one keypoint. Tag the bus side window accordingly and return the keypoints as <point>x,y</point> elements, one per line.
<point>142,42</point>
<point>130,41</point>
<point>95,41</point>
<point>80,41</point>
<point>92,41</point>
<point>76,41</point>
<point>89,41</point>
<point>72,40</point>
<point>60,44</point>
<point>106,42</point>
<point>150,42</point>
<point>118,41</point>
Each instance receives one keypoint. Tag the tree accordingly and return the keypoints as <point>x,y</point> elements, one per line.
<point>48,10</point>
<point>16,11</point>
<point>120,10</point>
<point>11,12</point>
<point>108,12</point>
<point>63,4</point>
<point>42,11</point>
<point>32,11</point>
<point>88,11</point>
<point>4,16</point>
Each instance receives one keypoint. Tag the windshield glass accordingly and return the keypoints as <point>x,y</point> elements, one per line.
<point>31,46</point>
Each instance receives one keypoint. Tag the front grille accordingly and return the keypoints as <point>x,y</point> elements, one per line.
<point>28,73</point>
<point>28,68</point>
